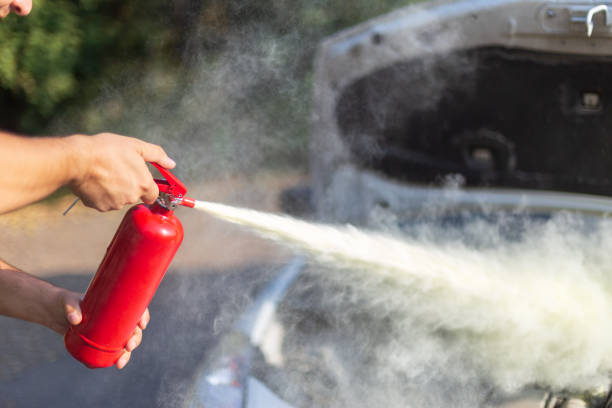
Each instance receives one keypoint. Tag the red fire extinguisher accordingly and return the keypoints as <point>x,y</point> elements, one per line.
<point>132,269</point>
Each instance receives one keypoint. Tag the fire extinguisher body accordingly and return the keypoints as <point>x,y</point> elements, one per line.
<point>130,273</point>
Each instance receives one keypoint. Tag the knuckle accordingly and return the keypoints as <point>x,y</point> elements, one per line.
<point>134,341</point>
<point>133,198</point>
<point>157,150</point>
<point>124,359</point>
<point>150,189</point>
<point>102,208</point>
<point>88,203</point>
<point>153,193</point>
<point>109,134</point>
<point>148,198</point>
<point>103,137</point>
<point>148,186</point>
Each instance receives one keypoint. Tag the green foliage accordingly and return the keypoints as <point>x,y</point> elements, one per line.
<point>233,76</point>
<point>37,58</point>
<point>54,56</point>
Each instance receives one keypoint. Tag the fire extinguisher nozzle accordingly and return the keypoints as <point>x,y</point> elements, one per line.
<point>188,202</point>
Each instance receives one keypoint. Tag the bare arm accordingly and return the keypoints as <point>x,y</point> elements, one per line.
<point>33,168</point>
<point>26,297</point>
<point>106,171</point>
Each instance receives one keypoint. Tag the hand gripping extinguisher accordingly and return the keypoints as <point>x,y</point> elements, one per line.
<point>132,269</point>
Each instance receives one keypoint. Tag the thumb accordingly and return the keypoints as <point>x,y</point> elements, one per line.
<point>155,154</point>
<point>73,310</point>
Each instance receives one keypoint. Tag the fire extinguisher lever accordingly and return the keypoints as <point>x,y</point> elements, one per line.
<point>172,191</point>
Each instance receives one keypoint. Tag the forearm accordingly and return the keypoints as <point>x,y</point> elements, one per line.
<point>35,167</point>
<point>106,171</point>
<point>26,297</point>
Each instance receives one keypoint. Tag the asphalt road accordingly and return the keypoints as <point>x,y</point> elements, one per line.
<point>190,311</point>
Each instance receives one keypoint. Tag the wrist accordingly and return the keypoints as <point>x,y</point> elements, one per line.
<point>54,315</point>
<point>26,297</point>
<point>76,158</point>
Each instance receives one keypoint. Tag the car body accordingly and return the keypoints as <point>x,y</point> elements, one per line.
<point>439,111</point>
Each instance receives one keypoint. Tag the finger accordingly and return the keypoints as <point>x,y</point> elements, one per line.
<point>155,154</point>
<point>135,340</point>
<point>144,320</point>
<point>150,194</point>
<point>22,7</point>
<point>73,309</point>
<point>123,360</point>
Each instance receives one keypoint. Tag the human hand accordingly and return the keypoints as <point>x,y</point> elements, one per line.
<point>110,170</point>
<point>19,7</point>
<point>69,303</point>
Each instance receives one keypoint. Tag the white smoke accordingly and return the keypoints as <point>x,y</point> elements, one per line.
<point>533,309</point>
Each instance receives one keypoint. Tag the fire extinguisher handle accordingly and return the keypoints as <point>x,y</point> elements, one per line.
<point>171,185</point>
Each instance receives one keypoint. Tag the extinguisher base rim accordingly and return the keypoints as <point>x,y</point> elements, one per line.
<point>88,352</point>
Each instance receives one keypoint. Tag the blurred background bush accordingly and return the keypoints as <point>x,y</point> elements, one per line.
<point>227,79</point>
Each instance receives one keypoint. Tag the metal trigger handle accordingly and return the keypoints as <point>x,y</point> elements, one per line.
<point>173,187</point>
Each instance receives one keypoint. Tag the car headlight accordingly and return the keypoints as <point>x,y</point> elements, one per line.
<point>220,383</point>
